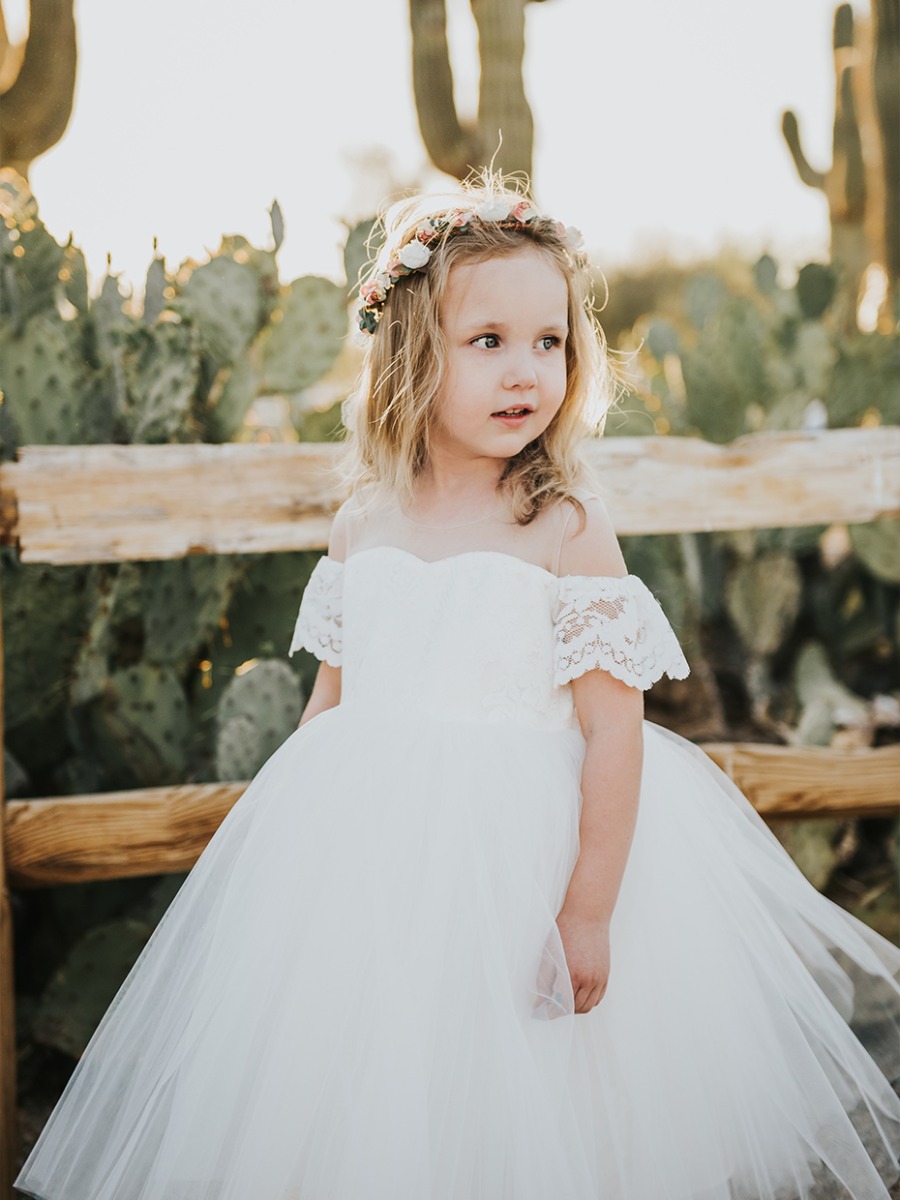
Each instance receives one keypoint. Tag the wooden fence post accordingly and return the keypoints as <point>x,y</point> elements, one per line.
<point>8,1126</point>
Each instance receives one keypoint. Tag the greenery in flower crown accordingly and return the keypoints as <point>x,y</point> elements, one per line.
<point>414,255</point>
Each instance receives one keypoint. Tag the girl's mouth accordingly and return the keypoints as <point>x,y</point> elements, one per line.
<point>511,416</point>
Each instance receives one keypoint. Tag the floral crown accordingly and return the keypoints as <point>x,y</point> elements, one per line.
<point>414,254</point>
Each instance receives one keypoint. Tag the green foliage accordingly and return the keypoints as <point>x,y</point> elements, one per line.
<point>116,672</point>
<point>211,338</point>
<point>727,351</point>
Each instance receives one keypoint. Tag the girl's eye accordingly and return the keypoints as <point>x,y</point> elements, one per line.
<point>489,341</point>
<point>550,341</point>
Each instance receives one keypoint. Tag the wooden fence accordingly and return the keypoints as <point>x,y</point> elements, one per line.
<point>80,504</point>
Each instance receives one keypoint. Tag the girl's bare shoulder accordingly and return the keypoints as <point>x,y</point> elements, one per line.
<point>589,545</point>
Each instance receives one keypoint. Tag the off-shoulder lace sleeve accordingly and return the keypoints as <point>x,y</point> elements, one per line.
<point>618,626</point>
<point>319,626</point>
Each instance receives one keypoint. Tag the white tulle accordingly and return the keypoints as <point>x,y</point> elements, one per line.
<point>359,993</point>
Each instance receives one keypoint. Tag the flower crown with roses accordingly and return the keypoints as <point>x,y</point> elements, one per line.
<point>414,254</point>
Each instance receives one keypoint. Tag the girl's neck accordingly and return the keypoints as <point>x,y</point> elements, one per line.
<point>449,495</point>
<point>455,502</point>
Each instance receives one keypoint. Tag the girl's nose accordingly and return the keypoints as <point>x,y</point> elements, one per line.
<point>520,372</point>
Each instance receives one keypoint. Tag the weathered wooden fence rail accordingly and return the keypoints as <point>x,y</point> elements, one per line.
<point>80,504</point>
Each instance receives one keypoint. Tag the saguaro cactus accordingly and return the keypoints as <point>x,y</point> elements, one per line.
<point>886,80</point>
<point>37,86</point>
<point>844,183</point>
<point>862,185</point>
<point>503,110</point>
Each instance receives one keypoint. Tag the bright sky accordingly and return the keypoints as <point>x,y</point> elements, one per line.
<point>657,123</point>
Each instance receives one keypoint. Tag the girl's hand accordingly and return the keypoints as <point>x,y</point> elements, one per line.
<point>586,945</point>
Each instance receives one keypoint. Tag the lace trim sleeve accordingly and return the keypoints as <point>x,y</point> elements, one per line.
<point>618,626</point>
<point>319,625</point>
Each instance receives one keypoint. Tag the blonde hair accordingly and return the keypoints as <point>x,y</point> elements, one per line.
<point>389,417</point>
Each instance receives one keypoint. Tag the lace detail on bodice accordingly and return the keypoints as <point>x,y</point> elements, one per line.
<point>494,637</point>
<point>319,625</point>
<point>618,626</point>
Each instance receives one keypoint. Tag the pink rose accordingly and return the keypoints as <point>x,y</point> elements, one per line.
<point>373,292</point>
<point>524,211</point>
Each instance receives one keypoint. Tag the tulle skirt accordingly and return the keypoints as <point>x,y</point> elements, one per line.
<point>359,993</point>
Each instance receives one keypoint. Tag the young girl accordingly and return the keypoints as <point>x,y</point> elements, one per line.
<point>477,931</point>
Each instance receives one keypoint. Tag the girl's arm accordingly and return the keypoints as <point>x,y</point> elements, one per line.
<point>611,717</point>
<point>326,692</point>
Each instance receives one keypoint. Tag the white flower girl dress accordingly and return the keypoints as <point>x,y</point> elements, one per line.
<point>359,992</point>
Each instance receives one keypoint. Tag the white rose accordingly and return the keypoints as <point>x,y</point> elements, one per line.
<point>414,255</point>
<point>576,237</point>
<point>493,210</point>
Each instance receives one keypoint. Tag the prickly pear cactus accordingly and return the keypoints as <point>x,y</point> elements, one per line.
<point>141,725</point>
<point>183,602</point>
<point>259,709</point>
<point>360,249</point>
<point>763,598</point>
<point>157,287</point>
<point>726,373</point>
<point>30,258</point>
<point>816,284</point>
<point>224,299</point>
<point>305,336</point>
<point>878,545</point>
<point>43,615</point>
<point>47,385</point>
<point>239,750</point>
<point>825,703</point>
<point>233,392</point>
<point>162,370</point>
<point>82,988</point>
<point>74,278</point>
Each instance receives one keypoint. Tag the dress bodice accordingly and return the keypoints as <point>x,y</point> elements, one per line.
<point>478,636</point>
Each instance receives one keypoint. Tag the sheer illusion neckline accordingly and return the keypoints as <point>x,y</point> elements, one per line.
<point>501,554</point>
<point>458,525</point>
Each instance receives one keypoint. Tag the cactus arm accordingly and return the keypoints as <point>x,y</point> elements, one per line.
<point>808,174</point>
<point>847,150</point>
<point>886,69</point>
<point>10,56</point>
<point>503,107</point>
<point>35,111</point>
<point>451,147</point>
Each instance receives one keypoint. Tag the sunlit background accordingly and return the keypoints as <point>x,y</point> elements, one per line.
<point>657,124</point>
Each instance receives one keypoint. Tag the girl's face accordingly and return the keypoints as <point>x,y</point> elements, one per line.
<point>505,323</point>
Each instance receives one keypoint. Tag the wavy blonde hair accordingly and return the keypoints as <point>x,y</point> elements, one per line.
<point>390,416</point>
